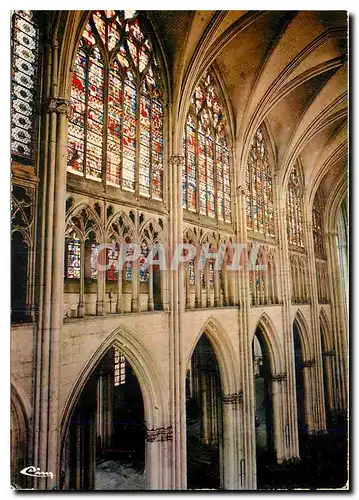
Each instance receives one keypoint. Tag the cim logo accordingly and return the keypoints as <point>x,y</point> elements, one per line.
<point>33,471</point>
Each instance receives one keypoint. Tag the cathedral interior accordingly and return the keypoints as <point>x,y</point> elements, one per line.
<point>204,130</point>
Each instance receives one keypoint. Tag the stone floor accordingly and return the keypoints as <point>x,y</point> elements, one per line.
<point>118,475</point>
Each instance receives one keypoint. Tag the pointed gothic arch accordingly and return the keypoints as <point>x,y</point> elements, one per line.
<point>303,331</point>
<point>269,333</point>
<point>223,351</point>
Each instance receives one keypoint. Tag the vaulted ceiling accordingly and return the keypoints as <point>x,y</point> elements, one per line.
<point>286,68</point>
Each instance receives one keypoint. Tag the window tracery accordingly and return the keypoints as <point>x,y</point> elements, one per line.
<point>259,183</point>
<point>206,171</point>
<point>294,209</point>
<point>24,74</point>
<point>116,123</point>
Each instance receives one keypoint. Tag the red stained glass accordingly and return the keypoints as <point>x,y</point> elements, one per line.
<point>206,167</point>
<point>259,203</point>
<point>294,210</point>
<point>120,33</point>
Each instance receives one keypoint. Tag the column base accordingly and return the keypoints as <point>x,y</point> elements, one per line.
<point>151,305</point>
<point>134,305</point>
<point>100,311</point>
<point>119,308</point>
<point>80,310</point>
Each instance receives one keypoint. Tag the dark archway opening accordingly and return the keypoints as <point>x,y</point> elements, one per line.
<point>105,447</point>
<point>300,389</point>
<point>265,453</point>
<point>204,419</point>
<point>19,277</point>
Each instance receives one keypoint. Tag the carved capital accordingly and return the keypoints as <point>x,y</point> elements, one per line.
<point>177,160</point>
<point>279,377</point>
<point>329,354</point>
<point>308,363</point>
<point>230,399</point>
<point>159,435</point>
<point>51,106</point>
<point>60,106</point>
<point>63,107</point>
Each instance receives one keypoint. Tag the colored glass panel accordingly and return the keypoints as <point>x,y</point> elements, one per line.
<point>73,259</point>
<point>25,58</point>
<point>294,210</point>
<point>206,169</point>
<point>144,274</point>
<point>259,199</point>
<point>93,105</point>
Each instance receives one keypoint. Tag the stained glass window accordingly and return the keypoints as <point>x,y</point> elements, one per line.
<point>191,273</point>
<point>128,264</point>
<point>143,273</point>
<point>259,184</point>
<point>206,171</point>
<point>317,220</point>
<point>112,263</point>
<point>120,368</point>
<point>25,61</point>
<point>294,209</point>
<point>211,272</point>
<point>116,123</point>
<point>91,259</point>
<point>73,253</point>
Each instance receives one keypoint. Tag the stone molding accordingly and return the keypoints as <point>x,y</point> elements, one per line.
<point>309,363</point>
<point>230,399</point>
<point>159,435</point>
<point>279,377</point>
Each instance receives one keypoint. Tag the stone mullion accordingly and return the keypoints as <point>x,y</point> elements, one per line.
<point>187,287</point>
<point>43,355</point>
<point>81,305</point>
<point>119,299</point>
<point>177,374</point>
<point>150,289</point>
<point>312,294</point>
<point>339,331</point>
<point>290,410</point>
<point>246,438</point>
<point>278,425</point>
<point>57,294</point>
<point>105,127</point>
<point>198,287</point>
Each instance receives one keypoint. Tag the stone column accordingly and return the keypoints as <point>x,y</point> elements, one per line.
<point>157,444</point>
<point>311,293</point>
<point>46,453</point>
<point>217,289</point>
<point>340,337</point>
<point>151,305</point>
<point>289,400</point>
<point>119,304</point>
<point>177,307</point>
<point>198,299</point>
<point>81,305</point>
<point>188,289</point>
<point>226,285</point>
<point>164,290</point>
<point>308,395</point>
<point>134,283</point>
<point>278,435</point>
<point>328,358</point>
